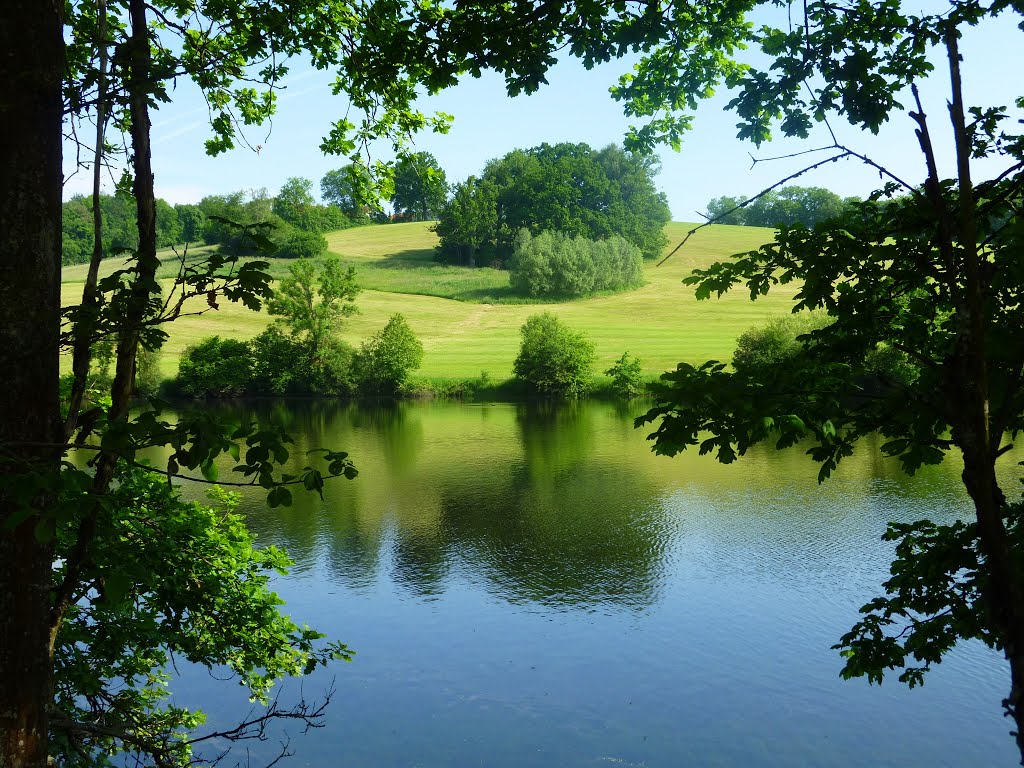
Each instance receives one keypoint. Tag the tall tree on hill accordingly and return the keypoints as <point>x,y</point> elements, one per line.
<point>421,188</point>
<point>295,203</point>
<point>567,188</point>
<point>346,188</point>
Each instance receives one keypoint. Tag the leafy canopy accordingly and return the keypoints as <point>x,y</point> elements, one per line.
<point>313,299</point>
<point>421,187</point>
<point>554,264</point>
<point>553,359</point>
<point>566,188</point>
<point>385,360</point>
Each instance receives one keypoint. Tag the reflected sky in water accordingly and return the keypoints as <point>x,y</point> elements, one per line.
<point>528,585</point>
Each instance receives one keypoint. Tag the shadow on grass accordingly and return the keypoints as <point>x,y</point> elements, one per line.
<point>417,258</point>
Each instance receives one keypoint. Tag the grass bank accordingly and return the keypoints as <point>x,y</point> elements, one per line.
<point>463,335</point>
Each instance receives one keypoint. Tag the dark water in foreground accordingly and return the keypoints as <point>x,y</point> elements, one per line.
<point>530,586</point>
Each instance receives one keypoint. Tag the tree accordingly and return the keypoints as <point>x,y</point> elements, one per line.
<point>215,367</point>
<point>627,376</point>
<point>468,222</point>
<point>192,220</point>
<point>294,243</point>
<point>553,359</point>
<point>295,204</point>
<point>554,264</point>
<point>30,258</point>
<point>566,188</point>
<point>759,351</point>
<point>930,270</point>
<point>386,359</point>
<point>421,188</point>
<point>112,66</point>
<point>312,301</point>
<point>788,205</point>
<point>344,188</point>
<point>853,60</point>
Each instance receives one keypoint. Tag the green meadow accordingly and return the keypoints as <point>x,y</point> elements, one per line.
<point>466,321</point>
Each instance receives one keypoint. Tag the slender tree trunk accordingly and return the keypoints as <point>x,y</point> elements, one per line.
<point>145,205</point>
<point>32,50</point>
<point>84,329</point>
<point>1005,592</point>
<point>138,301</point>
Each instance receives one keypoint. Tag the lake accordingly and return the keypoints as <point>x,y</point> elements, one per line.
<point>528,585</point>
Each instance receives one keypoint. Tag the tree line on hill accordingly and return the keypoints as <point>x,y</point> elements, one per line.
<point>782,207</point>
<point>293,219</point>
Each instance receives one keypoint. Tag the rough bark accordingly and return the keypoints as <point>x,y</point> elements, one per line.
<point>31,49</point>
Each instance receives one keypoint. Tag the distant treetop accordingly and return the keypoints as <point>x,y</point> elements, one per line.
<point>785,206</point>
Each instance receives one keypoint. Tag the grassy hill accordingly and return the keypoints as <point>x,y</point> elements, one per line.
<point>466,324</point>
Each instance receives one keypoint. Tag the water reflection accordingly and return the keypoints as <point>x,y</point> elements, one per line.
<point>515,497</point>
<point>530,585</point>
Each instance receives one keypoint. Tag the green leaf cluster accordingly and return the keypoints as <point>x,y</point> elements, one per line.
<point>385,360</point>
<point>167,581</point>
<point>566,188</point>
<point>555,264</point>
<point>627,376</point>
<point>553,359</point>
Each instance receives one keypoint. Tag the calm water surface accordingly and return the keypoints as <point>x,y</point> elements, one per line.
<point>527,585</point>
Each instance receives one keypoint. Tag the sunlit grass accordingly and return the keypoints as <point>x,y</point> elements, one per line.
<point>661,323</point>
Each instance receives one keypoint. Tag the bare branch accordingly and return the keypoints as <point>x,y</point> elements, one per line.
<point>750,200</point>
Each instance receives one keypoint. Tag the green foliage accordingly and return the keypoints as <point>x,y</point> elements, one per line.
<point>147,371</point>
<point>294,243</point>
<point>215,367</point>
<point>786,206</point>
<point>421,188</point>
<point>197,591</point>
<point>311,303</point>
<point>935,597</point>
<point>347,189</point>
<point>938,274</point>
<point>227,219</point>
<point>296,206</point>
<point>295,202</point>
<point>386,359</point>
<point>553,359</point>
<point>467,223</point>
<point>627,376</point>
<point>119,232</point>
<point>567,188</point>
<point>554,264</point>
<point>887,362</point>
<point>759,350</point>
<point>192,219</point>
<point>276,363</point>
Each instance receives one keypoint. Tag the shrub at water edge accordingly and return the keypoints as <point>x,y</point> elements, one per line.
<point>386,359</point>
<point>553,359</point>
<point>215,367</point>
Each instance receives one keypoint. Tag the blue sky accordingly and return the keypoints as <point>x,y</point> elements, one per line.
<point>575,106</point>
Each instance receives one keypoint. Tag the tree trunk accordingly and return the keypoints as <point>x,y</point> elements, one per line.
<point>32,48</point>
